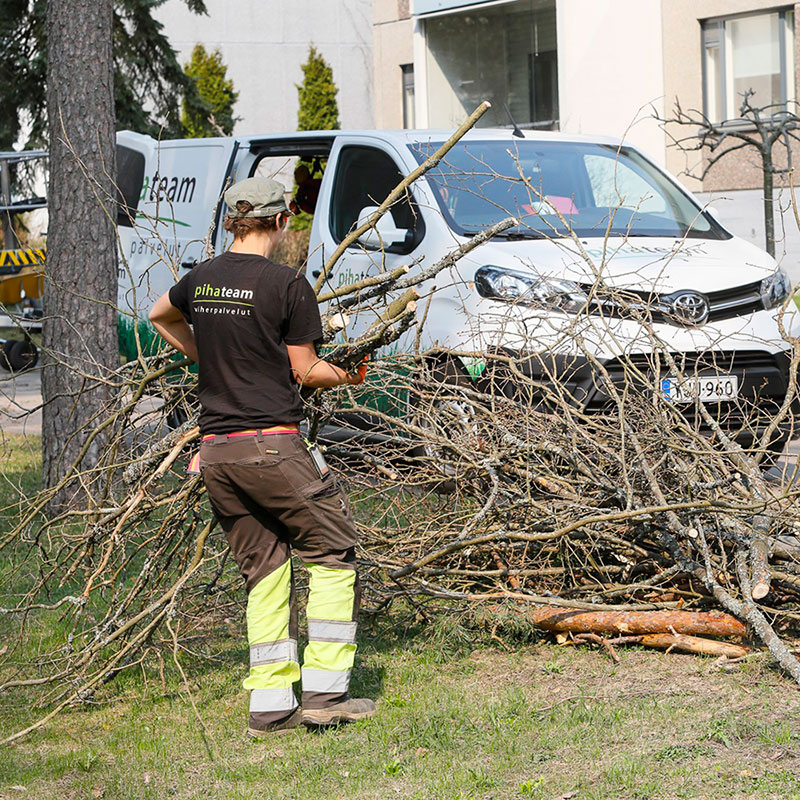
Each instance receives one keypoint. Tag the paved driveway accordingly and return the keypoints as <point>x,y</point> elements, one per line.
<point>20,398</point>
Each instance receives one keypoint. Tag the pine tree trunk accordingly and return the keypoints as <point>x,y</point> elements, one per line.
<point>80,331</point>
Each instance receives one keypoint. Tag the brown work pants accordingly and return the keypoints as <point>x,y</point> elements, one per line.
<point>270,499</point>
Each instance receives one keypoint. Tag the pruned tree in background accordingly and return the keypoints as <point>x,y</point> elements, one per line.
<point>767,130</point>
<point>79,333</point>
<point>148,79</point>
<point>208,110</point>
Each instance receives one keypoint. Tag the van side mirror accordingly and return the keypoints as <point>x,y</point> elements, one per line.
<point>713,212</point>
<point>384,234</point>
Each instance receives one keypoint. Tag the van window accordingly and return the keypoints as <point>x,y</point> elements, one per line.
<point>130,177</point>
<point>364,177</point>
<point>560,189</point>
<point>616,185</point>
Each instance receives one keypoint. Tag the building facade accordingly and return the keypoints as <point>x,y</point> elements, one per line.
<point>264,42</point>
<point>604,67</point>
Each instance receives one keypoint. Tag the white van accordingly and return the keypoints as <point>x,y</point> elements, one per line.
<point>713,298</point>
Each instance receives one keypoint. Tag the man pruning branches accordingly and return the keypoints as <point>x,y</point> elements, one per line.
<point>254,325</point>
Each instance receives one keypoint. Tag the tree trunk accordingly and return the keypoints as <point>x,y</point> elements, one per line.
<point>79,329</point>
<point>769,202</point>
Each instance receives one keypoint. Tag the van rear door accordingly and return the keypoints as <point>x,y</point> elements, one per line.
<point>180,188</point>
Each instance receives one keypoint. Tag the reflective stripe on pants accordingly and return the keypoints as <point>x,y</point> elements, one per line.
<point>330,630</point>
<point>326,681</point>
<point>270,700</point>
<point>270,652</point>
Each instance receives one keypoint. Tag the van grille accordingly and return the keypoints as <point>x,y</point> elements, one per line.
<point>655,308</point>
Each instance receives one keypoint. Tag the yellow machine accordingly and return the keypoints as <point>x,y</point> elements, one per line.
<point>21,269</point>
<point>21,275</point>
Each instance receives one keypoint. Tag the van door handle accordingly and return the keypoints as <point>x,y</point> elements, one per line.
<point>188,264</point>
<point>315,273</point>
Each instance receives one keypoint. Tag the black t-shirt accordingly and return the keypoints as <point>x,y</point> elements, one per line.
<point>245,309</point>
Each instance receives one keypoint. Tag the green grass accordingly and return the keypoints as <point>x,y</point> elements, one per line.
<point>459,717</point>
<point>483,724</point>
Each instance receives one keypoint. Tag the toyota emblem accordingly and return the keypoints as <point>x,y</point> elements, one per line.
<point>691,308</point>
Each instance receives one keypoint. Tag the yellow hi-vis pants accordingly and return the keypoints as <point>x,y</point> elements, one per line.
<point>328,658</point>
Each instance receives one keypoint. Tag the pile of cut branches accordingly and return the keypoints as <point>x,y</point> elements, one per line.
<point>516,492</point>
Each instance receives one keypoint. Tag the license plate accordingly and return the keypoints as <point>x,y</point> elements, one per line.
<point>706,389</point>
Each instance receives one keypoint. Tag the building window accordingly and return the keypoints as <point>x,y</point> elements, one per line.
<point>753,52</point>
<point>502,53</point>
<point>408,96</point>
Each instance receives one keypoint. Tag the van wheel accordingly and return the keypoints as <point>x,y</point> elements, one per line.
<point>20,355</point>
<point>180,407</point>
<point>440,411</point>
<point>176,417</point>
<point>4,348</point>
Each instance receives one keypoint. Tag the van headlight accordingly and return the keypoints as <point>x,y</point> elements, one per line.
<point>775,289</point>
<point>517,287</point>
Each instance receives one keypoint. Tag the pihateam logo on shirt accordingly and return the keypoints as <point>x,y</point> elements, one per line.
<point>210,299</point>
<point>207,292</point>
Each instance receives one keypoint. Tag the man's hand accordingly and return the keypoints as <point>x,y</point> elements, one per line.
<point>357,376</point>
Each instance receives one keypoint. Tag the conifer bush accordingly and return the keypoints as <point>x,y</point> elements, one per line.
<point>209,110</point>
<point>317,95</point>
<point>318,111</point>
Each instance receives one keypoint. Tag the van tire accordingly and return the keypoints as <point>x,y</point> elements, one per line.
<point>20,355</point>
<point>176,417</point>
<point>4,349</point>
<point>180,407</point>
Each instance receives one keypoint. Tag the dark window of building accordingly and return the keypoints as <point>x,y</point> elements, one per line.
<point>748,52</point>
<point>364,177</point>
<point>130,176</point>
<point>506,54</point>
<point>409,117</point>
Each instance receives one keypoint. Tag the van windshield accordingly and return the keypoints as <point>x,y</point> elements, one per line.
<point>555,188</point>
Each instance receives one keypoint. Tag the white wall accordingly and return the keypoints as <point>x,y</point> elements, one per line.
<point>742,213</point>
<point>263,44</point>
<point>610,69</point>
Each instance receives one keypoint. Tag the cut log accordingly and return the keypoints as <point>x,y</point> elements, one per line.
<point>692,644</point>
<point>706,623</point>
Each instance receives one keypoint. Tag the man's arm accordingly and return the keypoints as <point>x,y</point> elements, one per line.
<point>309,370</point>
<point>169,322</point>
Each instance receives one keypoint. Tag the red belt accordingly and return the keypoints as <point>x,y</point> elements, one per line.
<point>276,429</point>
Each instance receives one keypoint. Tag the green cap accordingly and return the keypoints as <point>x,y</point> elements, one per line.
<point>264,194</point>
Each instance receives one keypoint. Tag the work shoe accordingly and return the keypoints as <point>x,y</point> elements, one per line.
<point>276,728</point>
<point>349,710</point>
